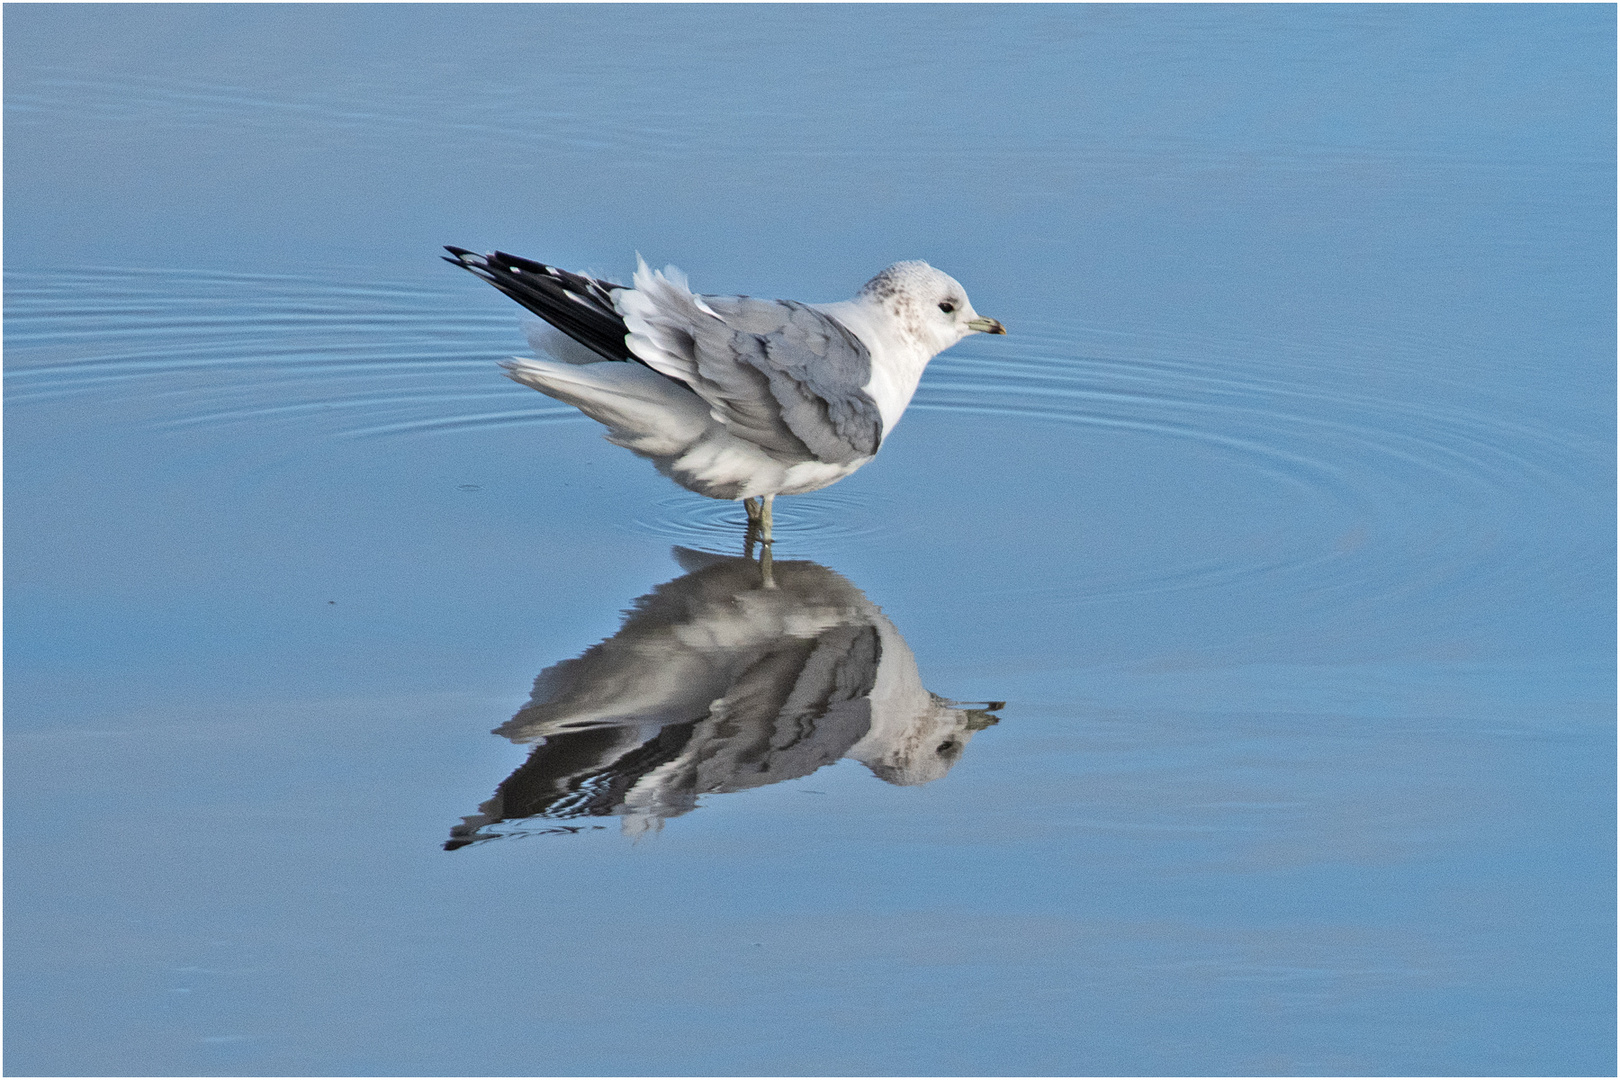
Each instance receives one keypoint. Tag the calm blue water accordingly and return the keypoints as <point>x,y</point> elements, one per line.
<point>1282,524</point>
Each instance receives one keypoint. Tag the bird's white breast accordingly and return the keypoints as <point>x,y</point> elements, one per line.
<point>897,361</point>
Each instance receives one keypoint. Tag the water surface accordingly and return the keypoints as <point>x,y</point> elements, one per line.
<point>1212,676</point>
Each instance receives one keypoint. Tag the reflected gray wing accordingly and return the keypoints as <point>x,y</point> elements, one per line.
<point>799,706</point>
<point>696,693</point>
<point>786,378</point>
<point>792,712</point>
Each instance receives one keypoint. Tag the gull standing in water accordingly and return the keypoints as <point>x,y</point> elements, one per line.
<point>730,396</point>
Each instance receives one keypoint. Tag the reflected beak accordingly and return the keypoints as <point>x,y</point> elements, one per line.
<point>979,719</point>
<point>987,326</point>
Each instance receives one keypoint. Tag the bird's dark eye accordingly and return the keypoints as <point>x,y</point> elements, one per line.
<point>946,306</point>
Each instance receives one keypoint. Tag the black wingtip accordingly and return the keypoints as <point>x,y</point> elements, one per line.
<point>467,260</point>
<point>580,306</point>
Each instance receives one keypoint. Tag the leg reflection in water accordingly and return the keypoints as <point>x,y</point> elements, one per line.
<point>714,684</point>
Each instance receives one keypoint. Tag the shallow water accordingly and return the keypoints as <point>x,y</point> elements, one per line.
<point>1214,676</point>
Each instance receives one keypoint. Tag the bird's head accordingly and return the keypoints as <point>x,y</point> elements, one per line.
<point>929,306</point>
<point>929,743</point>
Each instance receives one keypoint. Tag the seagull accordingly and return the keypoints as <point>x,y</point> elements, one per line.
<point>713,685</point>
<point>730,396</point>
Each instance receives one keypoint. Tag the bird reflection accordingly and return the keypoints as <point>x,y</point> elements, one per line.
<point>715,684</point>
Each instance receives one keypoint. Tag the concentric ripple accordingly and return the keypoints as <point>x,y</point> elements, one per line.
<point>798,524</point>
<point>1399,480</point>
<point>184,351</point>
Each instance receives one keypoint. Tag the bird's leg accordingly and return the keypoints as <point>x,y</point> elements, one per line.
<point>766,580</point>
<point>751,507</point>
<point>751,533</point>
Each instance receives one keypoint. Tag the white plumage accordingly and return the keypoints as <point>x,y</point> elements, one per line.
<point>730,396</point>
<point>714,685</point>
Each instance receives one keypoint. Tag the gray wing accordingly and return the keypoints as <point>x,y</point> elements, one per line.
<point>787,378</point>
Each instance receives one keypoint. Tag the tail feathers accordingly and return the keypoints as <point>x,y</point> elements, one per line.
<point>579,306</point>
<point>551,343</point>
<point>644,411</point>
<point>692,560</point>
<point>661,313</point>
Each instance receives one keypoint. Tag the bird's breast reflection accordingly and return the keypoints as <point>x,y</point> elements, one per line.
<point>715,684</point>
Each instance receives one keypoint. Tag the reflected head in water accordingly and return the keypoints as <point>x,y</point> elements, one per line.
<point>715,684</point>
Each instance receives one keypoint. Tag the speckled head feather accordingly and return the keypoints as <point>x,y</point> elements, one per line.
<point>906,277</point>
<point>928,305</point>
